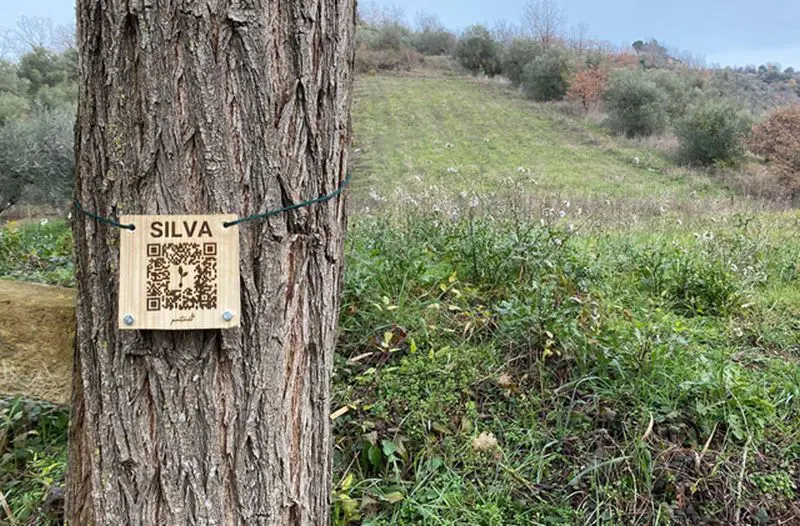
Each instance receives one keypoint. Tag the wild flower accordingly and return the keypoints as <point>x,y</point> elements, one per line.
<point>448,145</point>
<point>562,214</point>
<point>375,196</point>
<point>474,202</point>
<point>452,170</point>
<point>522,169</point>
<point>484,442</point>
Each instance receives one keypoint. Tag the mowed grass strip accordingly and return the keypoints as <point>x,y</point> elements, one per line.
<point>466,135</point>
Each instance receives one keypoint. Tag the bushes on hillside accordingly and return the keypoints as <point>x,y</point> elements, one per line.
<point>36,158</point>
<point>587,87</point>
<point>777,139</point>
<point>681,89</point>
<point>374,60</point>
<point>637,106</point>
<point>519,53</point>
<point>478,51</point>
<point>713,132</point>
<point>547,77</point>
<point>390,35</point>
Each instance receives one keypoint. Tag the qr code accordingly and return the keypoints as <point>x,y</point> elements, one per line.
<point>181,276</point>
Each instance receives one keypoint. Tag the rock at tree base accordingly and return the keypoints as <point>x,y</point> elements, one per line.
<point>37,329</point>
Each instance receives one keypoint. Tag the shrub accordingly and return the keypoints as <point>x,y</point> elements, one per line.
<point>434,42</point>
<point>478,51</point>
<point>681,90</point>
<point>587,87</point>
<point>390,35</point>
<point>547,77</point>
<point>519,53</point>
<point>636,105</point>
<point>714,132</point>
<point>777,139</point>
<point>36,158</point>
<point>12,107</point>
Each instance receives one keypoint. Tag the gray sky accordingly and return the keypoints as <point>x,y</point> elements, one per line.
<point>729,32</point>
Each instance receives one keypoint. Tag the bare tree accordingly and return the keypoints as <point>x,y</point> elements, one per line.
<point>224,107</point>
<point>35,31</point>
<point>7,47</point>
<point>544,20</point>
<point>63,38</point>
<point>427,22</point>
<point>374,14</point>
<point>579,38</point>
<point>504,31</point>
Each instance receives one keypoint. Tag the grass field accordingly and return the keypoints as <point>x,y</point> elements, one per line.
<point>465,135</point>
<point>591,361</point>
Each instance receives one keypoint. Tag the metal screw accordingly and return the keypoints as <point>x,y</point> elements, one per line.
<point>227,315</point>
<point>128,319</point>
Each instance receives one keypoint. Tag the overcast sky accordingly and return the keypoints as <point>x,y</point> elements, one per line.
<point>729,32</point>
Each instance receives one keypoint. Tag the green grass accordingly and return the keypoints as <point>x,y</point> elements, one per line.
<point>624,376</point>
<point>501,365</point>
<point>412,128</point>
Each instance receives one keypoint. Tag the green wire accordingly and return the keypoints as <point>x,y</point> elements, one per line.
<point>268,213</point>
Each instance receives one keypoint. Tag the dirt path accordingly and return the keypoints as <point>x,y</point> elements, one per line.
<point>37,328</point>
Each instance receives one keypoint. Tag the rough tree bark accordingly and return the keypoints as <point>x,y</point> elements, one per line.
<point>215,106</point>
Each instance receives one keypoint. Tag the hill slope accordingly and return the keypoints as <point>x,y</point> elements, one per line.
<point>465,134</point>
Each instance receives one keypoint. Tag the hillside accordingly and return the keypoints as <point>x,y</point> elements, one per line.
<point>516,360</point>
<point>462,134</point>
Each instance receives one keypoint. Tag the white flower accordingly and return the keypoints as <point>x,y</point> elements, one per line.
<point>463,194</point>
<point>522,169</point>
<point>557,242</point>
<point>474,202</point>
<point>484,442</point>
<point>452,170</point>
<point>44,221</point>
<point>448,145</point>
<point>636,161</point>
<point>571,227</point>
<point>562,213</point>
<point>486,139</point>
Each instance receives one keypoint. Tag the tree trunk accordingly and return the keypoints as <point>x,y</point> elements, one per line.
<point>221,106</point>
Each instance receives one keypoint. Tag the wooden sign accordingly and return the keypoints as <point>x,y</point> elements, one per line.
<point>179,273</point>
